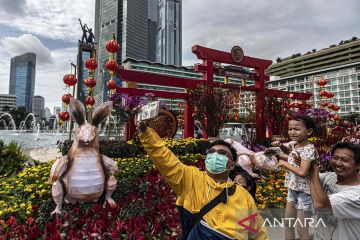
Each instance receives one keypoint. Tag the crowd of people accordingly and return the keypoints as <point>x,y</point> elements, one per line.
<point>213,202</point>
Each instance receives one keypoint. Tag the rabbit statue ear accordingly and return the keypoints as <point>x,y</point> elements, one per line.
<point>101,112</point>
<point>77,111</point>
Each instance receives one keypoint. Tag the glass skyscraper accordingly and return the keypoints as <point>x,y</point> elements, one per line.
<point>22,79</point>
<point>169,43</point>
<point>138,26</point>
<point>128,20</point>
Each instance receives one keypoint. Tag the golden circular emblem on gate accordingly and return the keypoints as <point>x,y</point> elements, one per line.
<point>166,124</point>
<point>237,54</point>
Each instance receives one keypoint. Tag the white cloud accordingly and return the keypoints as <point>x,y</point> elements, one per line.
<point>268,29</point>
<point>27,43</point>
<point>51,19</point>
<point>51,66</point>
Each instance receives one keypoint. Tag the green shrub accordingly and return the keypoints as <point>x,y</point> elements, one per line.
<point>114,149</point>
<point>12,160</point>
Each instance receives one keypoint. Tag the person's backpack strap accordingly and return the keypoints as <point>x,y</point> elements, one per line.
<point>222,197</point>
<point>188,220</point>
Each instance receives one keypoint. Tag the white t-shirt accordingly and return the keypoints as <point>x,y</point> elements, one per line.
<point>344,222</point>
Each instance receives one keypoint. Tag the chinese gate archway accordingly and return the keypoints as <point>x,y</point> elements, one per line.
<point>209,57</point>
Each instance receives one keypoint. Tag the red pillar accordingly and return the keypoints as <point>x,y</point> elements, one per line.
<point>260,98</point>
<point>188,119</point>
<point>130,129</point>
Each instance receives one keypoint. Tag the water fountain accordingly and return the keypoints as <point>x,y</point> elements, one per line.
<point>24,124</point>
<point>4,123</point>
<point>107,124</point>
<point>27,139</point>
<point>12,122</point>
<point>37,135</point>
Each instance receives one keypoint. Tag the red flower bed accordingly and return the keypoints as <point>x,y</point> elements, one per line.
<point>148,212</point>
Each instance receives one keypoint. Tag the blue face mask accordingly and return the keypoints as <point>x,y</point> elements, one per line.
<point>216,163</point>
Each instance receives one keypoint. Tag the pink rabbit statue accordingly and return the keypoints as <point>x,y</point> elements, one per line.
<point>81,175</point>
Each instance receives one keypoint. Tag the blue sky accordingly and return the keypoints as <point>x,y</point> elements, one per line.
<point>263,28</point>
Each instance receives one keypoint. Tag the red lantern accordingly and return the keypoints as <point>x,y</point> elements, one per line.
<point>66,98</point>
<point>112,65</point>
<point>112,46</point>
<point>111,84</point>
<point>331,106</point>
<point>91,64</point>
<point>322,82</point>
<point>70,79</point>
<point>90,82</point>
<point>329,95</point>
<point>323,93</point>
<point>324,104</point>
<point>64,116</point>
<point>336,108</point>
<point>89,101</point>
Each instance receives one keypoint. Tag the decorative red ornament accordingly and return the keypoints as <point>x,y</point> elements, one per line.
<point>336,108</point>
<point>111,84</point>
<point>329,95</point>
<point>336,117</point>
<point>324,104</point>
<point>90,82</point>
<point>112,46</point>
<point>337,128</point>
<point>294,105</point>
<point>323,93</point>
<point>322,82</point>
<point>91,64</point>
<point>331,106</point>
<point>89,101</point>
<point>66,98</point>
<point>112,65</point>
<point>70,79</point>
<point>64,116</point>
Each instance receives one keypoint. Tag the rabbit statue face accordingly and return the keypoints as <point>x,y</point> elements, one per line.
<point>86,133</point>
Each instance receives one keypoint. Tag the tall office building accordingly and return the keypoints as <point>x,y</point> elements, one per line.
<point>128,20</point>
<point>169,44</point>
<point>339,64</point>
<point>22,79</point>
<point>38,106</point>
<point>153,15</point>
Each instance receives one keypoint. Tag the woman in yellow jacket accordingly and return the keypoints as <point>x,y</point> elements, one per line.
<point>237,218</point>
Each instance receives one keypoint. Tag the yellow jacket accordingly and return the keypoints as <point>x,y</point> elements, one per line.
<point>195,189</point>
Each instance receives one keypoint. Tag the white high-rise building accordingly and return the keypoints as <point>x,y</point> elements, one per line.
<point>38,106</point>
<point>169,36</point>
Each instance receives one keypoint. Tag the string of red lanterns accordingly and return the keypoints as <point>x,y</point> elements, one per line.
<point>90,82</point>
<point>70,81</point>
<point>112,46</point>
<point>327,95</point>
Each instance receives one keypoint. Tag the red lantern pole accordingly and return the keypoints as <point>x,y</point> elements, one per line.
<point>90,82</point>
<point>112,66</point>
<point>71,122</point>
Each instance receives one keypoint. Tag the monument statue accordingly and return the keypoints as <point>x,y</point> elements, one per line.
<point>84,38</point>
<point>91,37</point>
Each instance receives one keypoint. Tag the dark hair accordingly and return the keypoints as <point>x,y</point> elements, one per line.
<point>250,182</point>
<point>308,121</point>
<point>222,142</point>
<point>350,146</point>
